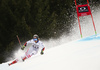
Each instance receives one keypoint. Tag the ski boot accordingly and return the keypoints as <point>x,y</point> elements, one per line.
<point>15,61</point>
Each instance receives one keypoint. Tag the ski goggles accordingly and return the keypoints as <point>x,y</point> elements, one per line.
<point>35,39</point>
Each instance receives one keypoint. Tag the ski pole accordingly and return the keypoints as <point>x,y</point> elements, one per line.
<point>19,41</point>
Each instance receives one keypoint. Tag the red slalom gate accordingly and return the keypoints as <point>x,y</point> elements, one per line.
<point>84,10</point>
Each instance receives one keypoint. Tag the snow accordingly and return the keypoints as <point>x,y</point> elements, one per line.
<point>83,54</point>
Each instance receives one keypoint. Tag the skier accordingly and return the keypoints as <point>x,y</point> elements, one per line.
<point>36,43</point>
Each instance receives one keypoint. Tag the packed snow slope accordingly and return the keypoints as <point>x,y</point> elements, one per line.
<point>83,54</point>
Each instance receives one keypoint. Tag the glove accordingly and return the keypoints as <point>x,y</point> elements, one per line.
<point>42,52</point>
<point>23,47</point>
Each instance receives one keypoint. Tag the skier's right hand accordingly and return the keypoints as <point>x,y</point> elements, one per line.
<point>23,47</point>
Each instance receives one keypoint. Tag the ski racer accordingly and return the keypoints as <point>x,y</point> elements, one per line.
<point>36,44</point>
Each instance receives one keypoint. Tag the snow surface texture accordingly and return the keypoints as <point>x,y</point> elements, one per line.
<point>83,54</point>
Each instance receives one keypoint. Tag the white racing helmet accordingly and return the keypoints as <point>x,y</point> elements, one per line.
<point>35,37</point>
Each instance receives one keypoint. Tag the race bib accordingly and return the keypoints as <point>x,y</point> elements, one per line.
<point>36,46</point>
